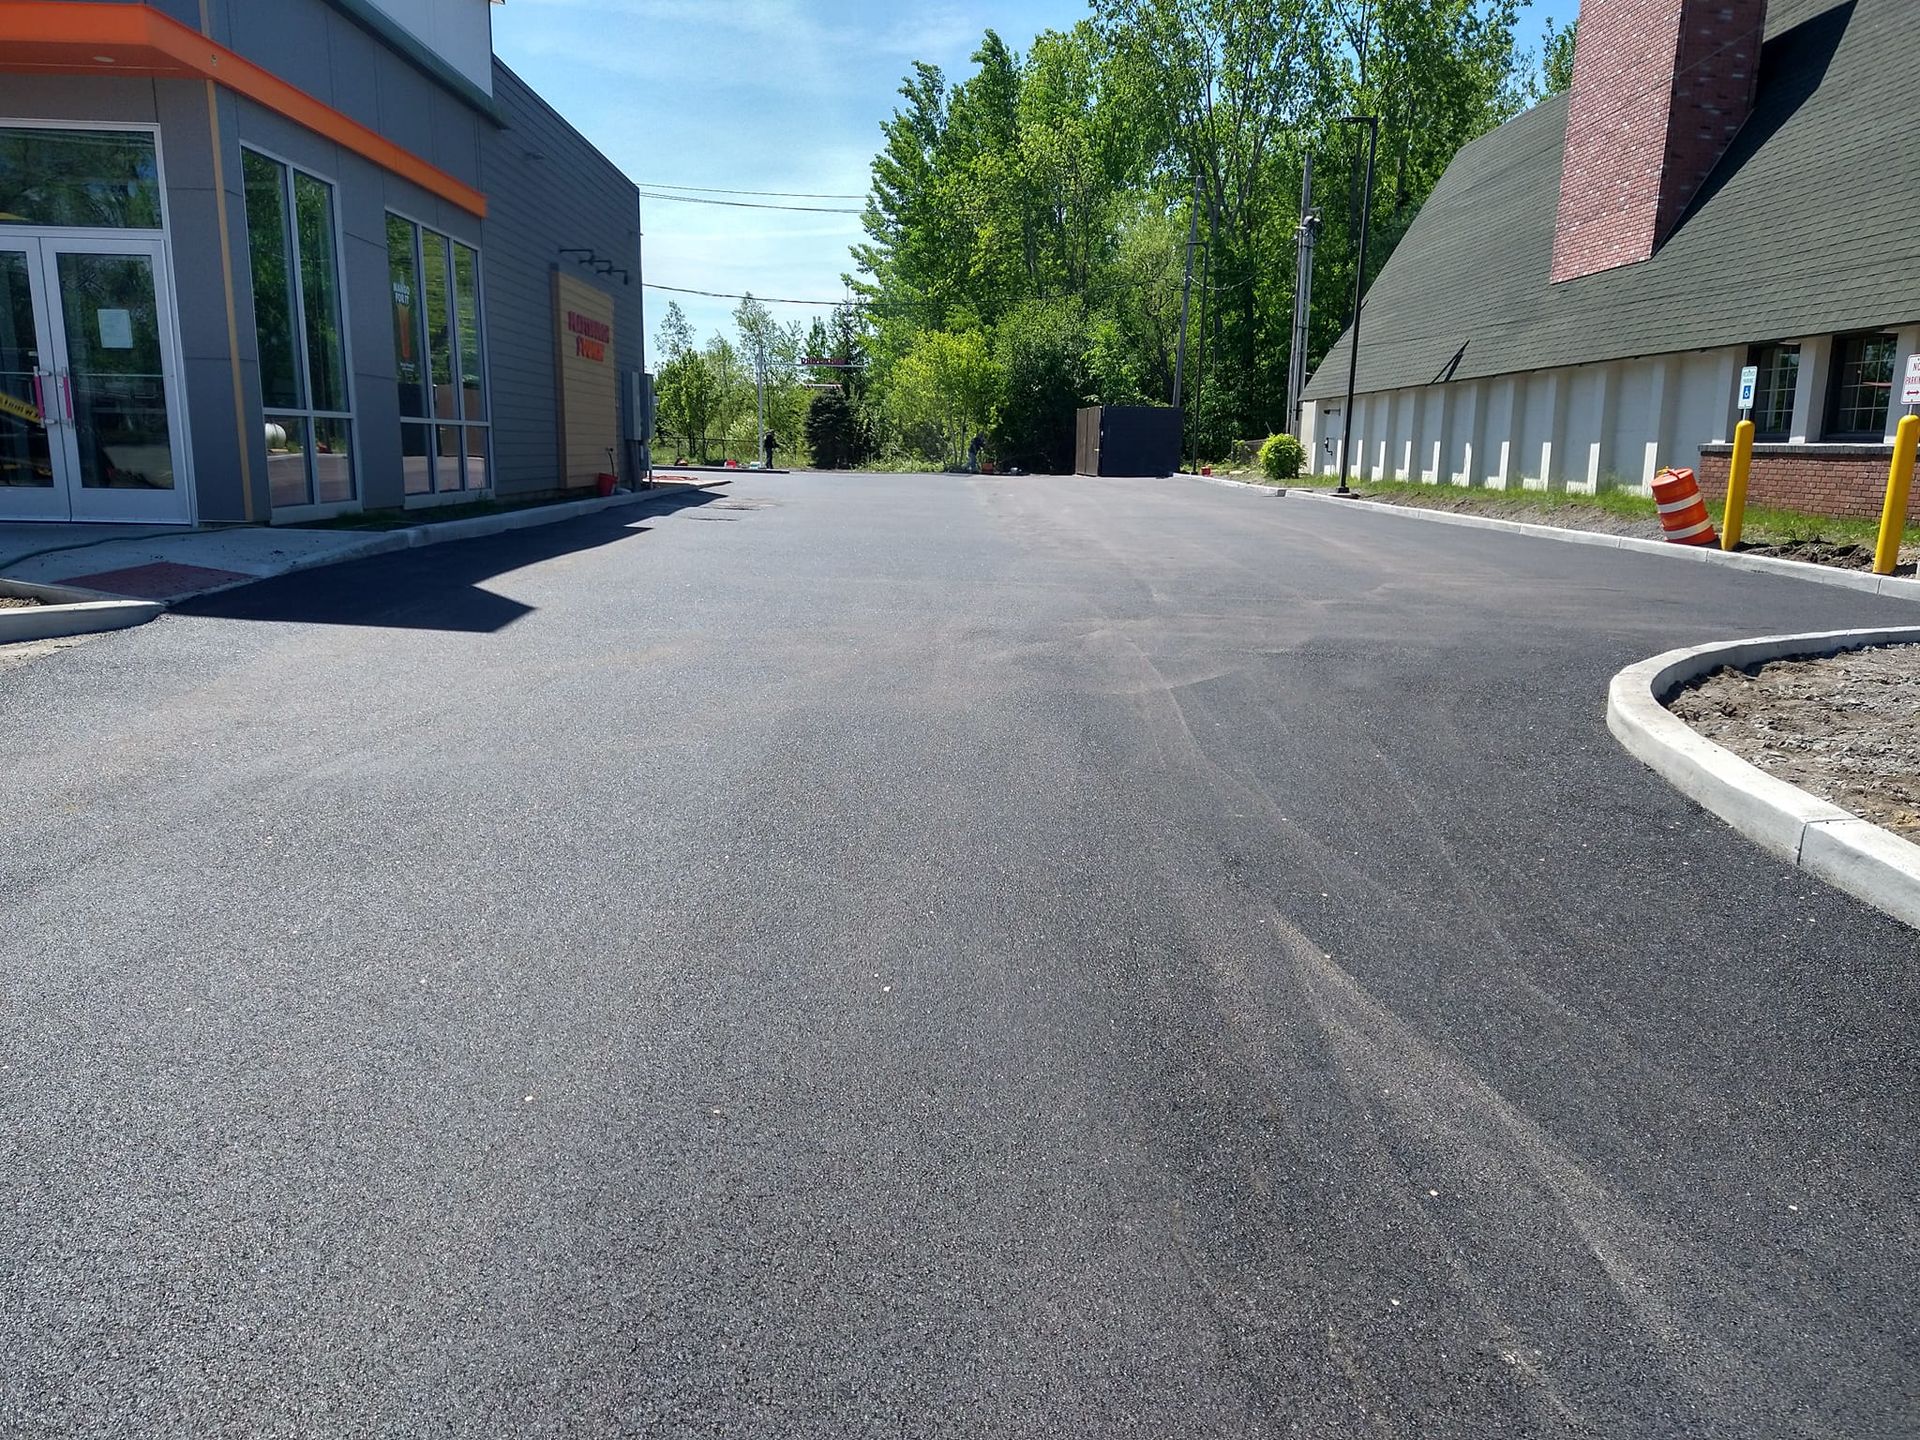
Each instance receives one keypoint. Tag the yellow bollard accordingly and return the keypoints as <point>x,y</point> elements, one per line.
<point>1893,514</point>
<point>1737,469</point>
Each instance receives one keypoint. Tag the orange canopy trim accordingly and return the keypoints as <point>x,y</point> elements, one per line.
<point>53,37</point>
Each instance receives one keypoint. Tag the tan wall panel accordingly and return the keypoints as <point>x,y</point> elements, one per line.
<point>589,380</point>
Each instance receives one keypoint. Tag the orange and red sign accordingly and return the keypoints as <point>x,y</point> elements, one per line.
<point>590,336</point>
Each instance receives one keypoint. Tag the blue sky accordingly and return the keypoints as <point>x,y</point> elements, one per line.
<point>756,94</point>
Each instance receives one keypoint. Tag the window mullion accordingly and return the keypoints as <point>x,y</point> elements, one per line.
<point>296,280</point>
<point>299,289</point>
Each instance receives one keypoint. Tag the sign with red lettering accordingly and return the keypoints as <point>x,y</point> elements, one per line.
<point>590,336</point>
<point>1910,387</point>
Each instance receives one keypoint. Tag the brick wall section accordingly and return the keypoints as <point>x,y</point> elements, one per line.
<point>1659,89</point>
<point>1713,87</point>
<point>1847,480</point>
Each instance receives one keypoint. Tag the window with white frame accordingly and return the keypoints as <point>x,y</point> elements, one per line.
<point>438,359</point>
<point>297,315</point>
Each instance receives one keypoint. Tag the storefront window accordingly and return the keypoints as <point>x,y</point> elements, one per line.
<point>1862,387</point>
<point>438,359</point>
<point>102,179</point>
<point>294,262</point>
<point>274,321</point>
<point>1779,367</point>
<point>320,293</point>
<point>403,271</point>
<point>466,289</point>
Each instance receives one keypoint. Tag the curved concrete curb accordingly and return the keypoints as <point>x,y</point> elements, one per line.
<point>1866,861</point>
<point>68,610</point>
<point>1895,587</point>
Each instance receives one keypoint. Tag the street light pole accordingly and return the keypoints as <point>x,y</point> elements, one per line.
<point>1305,234</point>
<point>1186,294</point>
<point>1372,122</point>
<point>760,392</point>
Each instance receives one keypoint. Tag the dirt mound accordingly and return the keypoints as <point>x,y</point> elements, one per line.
<point>1846,728</point>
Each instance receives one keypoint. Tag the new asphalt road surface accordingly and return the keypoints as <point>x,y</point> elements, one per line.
<point>886,956</point>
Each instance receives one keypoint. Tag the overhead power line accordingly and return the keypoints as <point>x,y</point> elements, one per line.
<point>777,194</point>
<point>748,204</point>
<point>763,299</point>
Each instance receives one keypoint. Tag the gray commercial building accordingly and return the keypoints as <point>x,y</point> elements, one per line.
<point>275,260</point>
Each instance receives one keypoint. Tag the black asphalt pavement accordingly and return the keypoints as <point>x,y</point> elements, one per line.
<point>919,956</point>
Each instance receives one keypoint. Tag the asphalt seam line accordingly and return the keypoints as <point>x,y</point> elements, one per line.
<point>1832,844</point>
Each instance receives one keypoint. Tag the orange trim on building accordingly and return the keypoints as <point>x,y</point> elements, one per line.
<point>56,37</point>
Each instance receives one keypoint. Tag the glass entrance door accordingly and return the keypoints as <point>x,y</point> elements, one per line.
<point>29,489</point>
<point>99,377</point>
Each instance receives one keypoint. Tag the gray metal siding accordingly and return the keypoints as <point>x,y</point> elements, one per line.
<point>338,62</point>
<point>547,188</point>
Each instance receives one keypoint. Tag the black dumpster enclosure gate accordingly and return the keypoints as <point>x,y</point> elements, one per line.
<point>1126,440</point>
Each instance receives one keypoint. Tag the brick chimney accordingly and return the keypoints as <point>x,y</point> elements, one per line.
<point>1660,88</point>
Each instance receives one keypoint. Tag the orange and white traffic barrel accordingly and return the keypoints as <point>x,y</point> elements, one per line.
<point>1683,514</point>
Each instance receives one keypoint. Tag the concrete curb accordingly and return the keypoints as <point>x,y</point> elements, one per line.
<point>1894,587</point>
<point>68,610</point>
<point>412,537</point>
<point>1274,490</point>
<point>1868,862</point>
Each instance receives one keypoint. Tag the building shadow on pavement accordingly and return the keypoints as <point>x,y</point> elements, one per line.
<point>434,587</point>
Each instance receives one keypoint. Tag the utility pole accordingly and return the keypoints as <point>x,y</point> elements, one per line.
<point>1186,295</point>
<point>1305,234</point>
<point>760,392</point>
<point>1372,122</point>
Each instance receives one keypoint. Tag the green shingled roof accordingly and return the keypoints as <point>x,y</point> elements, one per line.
<point>1810,224</point>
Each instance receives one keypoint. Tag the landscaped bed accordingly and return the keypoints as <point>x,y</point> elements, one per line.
<point>1844,727</point>
<point>1787,534</point>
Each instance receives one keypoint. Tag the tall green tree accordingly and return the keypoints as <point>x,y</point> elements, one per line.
<point>674,338</point>
<point>1556,59</point>
<point>1043,201</point>
<point>689,402</point>
<point>945,390</point>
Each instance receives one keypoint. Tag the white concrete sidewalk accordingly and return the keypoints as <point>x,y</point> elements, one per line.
<point>164,562</point>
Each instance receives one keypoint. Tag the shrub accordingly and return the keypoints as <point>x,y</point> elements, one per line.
<point>1282,458</point>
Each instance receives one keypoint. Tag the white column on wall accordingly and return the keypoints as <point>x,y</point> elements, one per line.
<point>1405,435</point>
<point>1503,419</point>
<point>1440,409</point>
<point>1909,345</point>
<point>1810,389</point>
<point>1660,385</point>
<point>1389,427</point>
<point>1363,437</point>
<point>1602,398</point>
<point>1554,446</point>
<point>1467,423</point>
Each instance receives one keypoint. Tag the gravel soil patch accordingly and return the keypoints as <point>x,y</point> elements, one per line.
<point>17,602</point>
<point>1568,515</point>
<point>1844,727</point>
